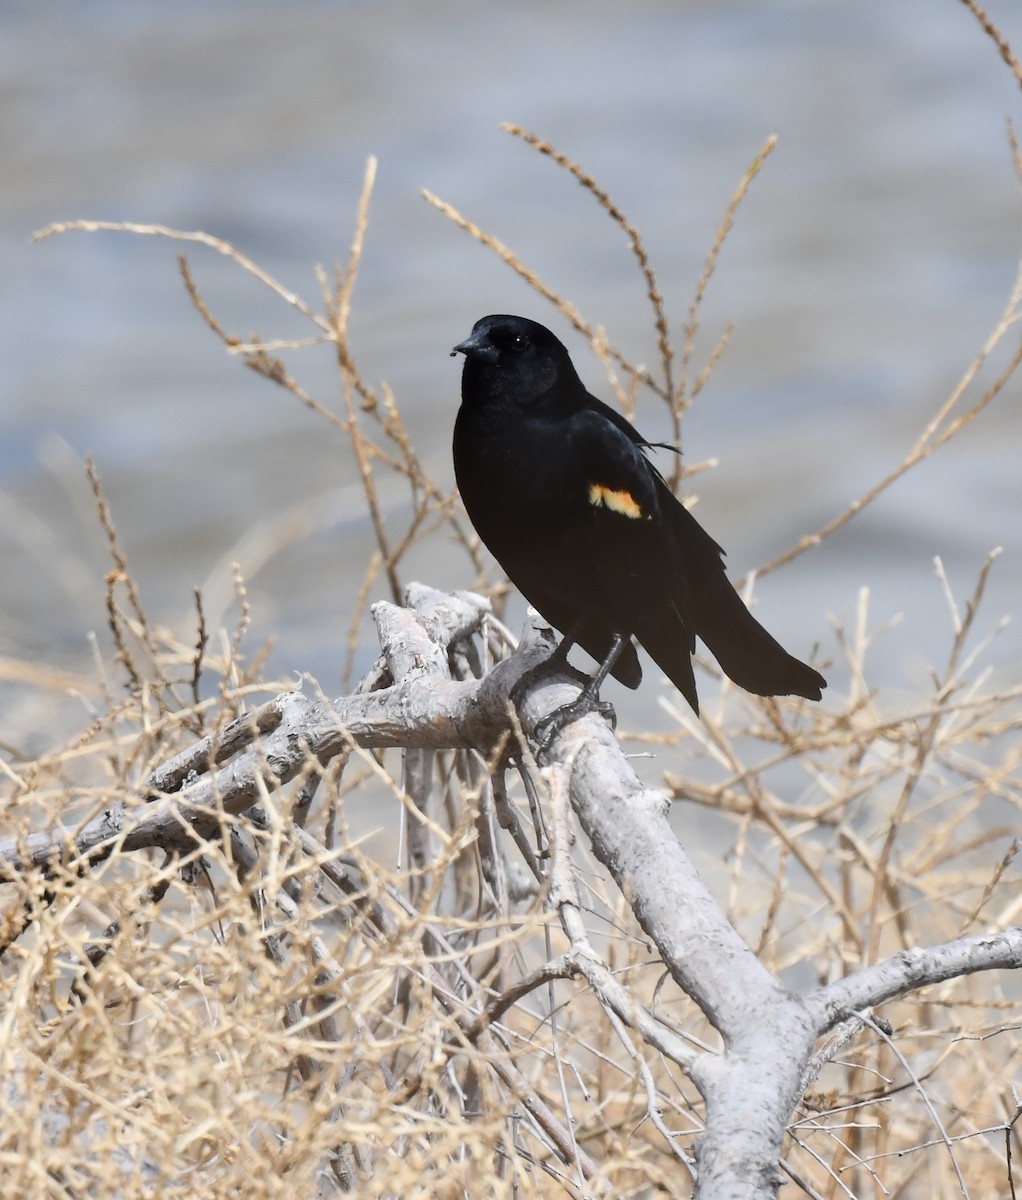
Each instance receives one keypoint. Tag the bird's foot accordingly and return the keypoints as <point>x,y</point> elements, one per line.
<point>554,665</point>
<point>588,701</point>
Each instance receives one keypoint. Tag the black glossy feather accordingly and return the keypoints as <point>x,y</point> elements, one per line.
<point>560,489</point>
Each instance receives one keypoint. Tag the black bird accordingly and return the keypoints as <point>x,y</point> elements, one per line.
<point>560,489</point>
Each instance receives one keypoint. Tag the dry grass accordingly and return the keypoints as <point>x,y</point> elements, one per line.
<point>276,1012</point>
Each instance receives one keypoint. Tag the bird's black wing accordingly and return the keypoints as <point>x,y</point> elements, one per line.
<point>663,575</point>
<point>640,567</point>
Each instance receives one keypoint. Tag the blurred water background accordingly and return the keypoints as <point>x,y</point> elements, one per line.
<point>868,264</point>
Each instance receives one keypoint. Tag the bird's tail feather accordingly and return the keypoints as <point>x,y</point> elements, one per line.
<point>747,654</point>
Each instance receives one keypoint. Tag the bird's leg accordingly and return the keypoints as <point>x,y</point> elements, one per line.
<point>588,699</point>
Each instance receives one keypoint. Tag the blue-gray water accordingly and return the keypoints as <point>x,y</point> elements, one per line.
<point>869,262</point>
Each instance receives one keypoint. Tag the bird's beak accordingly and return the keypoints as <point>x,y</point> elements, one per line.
<point>476,346</point>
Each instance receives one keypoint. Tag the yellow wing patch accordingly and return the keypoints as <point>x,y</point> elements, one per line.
<point>622,502</point>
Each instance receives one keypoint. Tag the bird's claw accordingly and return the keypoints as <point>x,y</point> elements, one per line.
<point>549,666</point>
<point>552,724</point>
<point>586,702</point>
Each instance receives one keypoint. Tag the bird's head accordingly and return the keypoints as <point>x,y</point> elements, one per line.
<point>514,359</point>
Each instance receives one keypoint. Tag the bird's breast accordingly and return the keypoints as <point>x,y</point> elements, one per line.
<point>520,492</point>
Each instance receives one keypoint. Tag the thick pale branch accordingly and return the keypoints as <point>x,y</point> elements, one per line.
<point>909,970</point>
<point>630,829</point>
<point>582,957</point>
<point>425,713</point>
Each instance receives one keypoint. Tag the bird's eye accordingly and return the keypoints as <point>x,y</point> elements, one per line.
<point>519,341</point>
